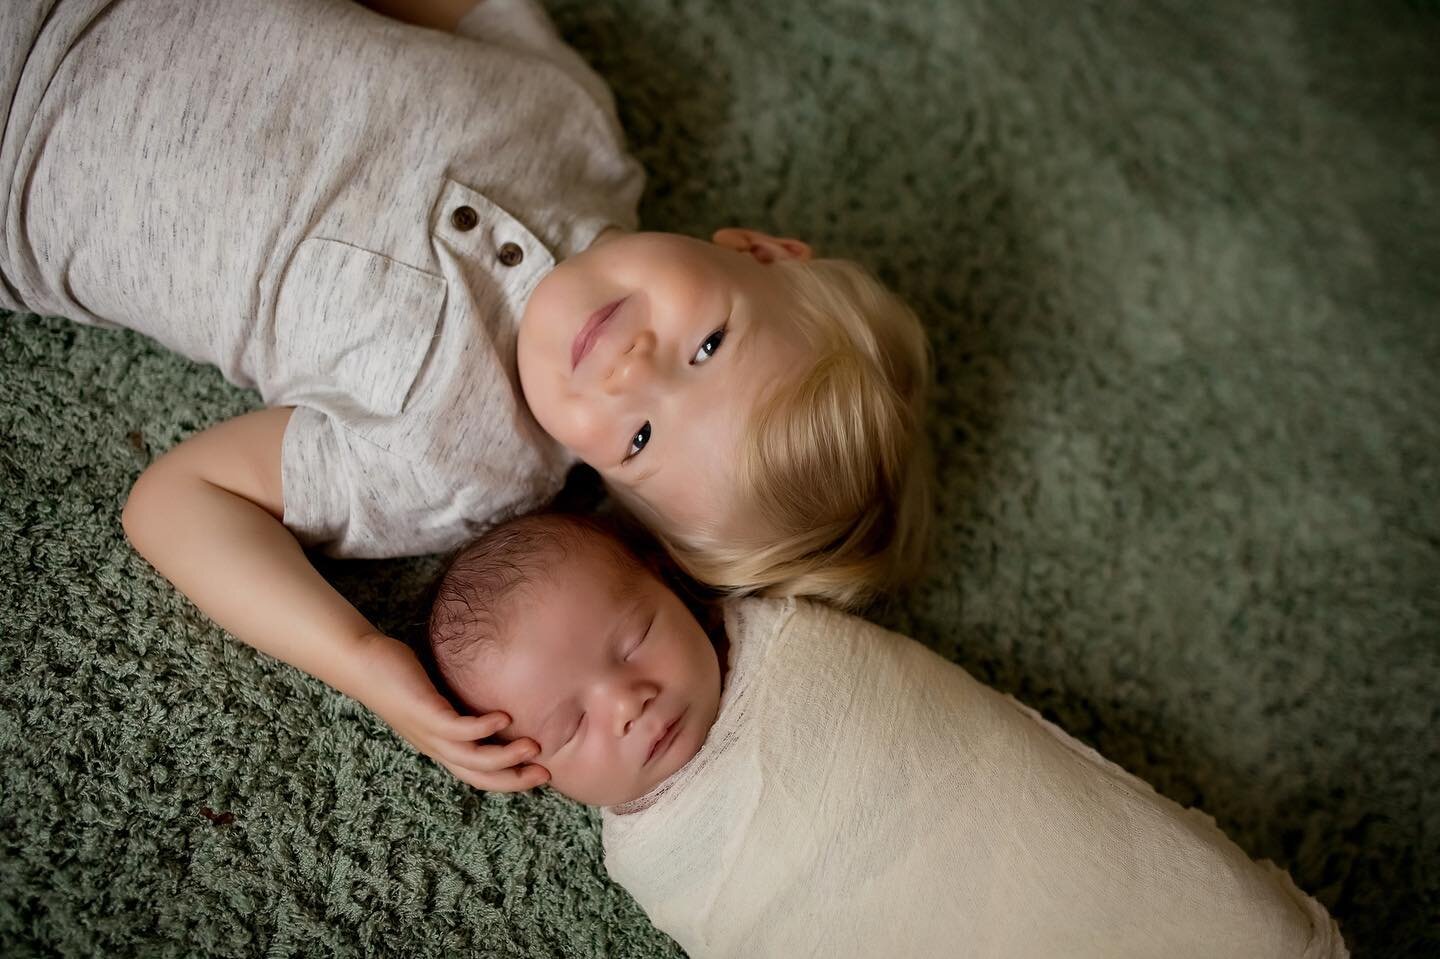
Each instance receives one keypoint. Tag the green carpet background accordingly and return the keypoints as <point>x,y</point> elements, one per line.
<point>1181,266</point>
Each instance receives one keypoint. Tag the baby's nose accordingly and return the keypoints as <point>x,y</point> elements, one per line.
<point>630,704</point>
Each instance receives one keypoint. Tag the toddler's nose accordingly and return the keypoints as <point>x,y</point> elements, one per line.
<point>634,366</point>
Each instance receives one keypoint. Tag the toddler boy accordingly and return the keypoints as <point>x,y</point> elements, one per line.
<point>420,249</point>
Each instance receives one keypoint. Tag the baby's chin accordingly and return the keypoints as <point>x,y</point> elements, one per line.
<point>589,795</point>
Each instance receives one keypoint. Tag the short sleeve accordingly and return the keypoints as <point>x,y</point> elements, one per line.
<point>349,497</point>
<point>524,26</point>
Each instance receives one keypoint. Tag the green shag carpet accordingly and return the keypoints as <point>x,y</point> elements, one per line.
<point>1181,265</point>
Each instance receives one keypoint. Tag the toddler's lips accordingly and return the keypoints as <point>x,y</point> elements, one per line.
<point>666,738</point>
<point>590,332</point>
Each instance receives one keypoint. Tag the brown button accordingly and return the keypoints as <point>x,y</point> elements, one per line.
<point>464,218</point>
<point>510,254</point>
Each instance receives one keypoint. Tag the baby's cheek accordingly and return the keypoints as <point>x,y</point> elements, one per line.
<point>582,779</point>
<point>562,775</point>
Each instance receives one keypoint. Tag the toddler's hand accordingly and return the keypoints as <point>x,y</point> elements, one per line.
<point>395,687</point>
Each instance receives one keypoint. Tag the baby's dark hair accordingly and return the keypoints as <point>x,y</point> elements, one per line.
<point>477,591</point>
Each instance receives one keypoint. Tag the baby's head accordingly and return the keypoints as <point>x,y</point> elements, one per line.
<point>758,409</point>
<point>553,620</point>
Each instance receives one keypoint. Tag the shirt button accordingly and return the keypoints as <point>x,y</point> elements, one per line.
<point>510,254</point>
<point>464,218</point>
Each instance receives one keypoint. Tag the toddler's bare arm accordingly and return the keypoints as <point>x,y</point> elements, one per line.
<point>208,515</point>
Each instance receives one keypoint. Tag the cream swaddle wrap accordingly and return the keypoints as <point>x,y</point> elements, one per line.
<point>859,795</point>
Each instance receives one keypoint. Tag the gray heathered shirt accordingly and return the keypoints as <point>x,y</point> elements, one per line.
<point>341,211</point>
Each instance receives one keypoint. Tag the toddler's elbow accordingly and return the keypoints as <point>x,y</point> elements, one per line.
<point>141,508</point>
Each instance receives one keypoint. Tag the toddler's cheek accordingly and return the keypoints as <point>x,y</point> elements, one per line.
<point>584,431</point>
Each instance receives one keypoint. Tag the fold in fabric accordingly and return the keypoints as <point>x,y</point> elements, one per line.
<point>859,795</point>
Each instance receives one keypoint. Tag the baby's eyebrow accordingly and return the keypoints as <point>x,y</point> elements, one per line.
<point>631,593</point>
<point>545,735</point>
<point>628,591</point>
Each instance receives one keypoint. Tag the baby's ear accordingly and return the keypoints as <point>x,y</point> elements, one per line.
<point>762,246</point>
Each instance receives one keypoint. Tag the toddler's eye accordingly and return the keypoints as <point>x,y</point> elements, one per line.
<point>708,348</point>
<point>638,441</point>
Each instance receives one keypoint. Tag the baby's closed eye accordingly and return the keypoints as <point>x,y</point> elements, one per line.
<point>639,640</point>
<point>572,732</point>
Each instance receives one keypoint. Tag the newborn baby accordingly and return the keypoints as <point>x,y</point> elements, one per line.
<point>825,787</point>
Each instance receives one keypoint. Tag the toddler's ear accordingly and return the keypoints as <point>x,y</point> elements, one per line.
<point>762,246</point>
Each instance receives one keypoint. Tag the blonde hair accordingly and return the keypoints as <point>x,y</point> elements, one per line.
<point>836,469</point>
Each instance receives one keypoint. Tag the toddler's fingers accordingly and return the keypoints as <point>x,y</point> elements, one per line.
<point>474,727</point>
<point>520,778</point>
<point>487,758</point>
<point>504,781</point>
<point>532,775</point>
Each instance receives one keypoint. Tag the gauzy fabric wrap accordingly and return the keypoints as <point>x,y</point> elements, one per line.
<point>859,795</point>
